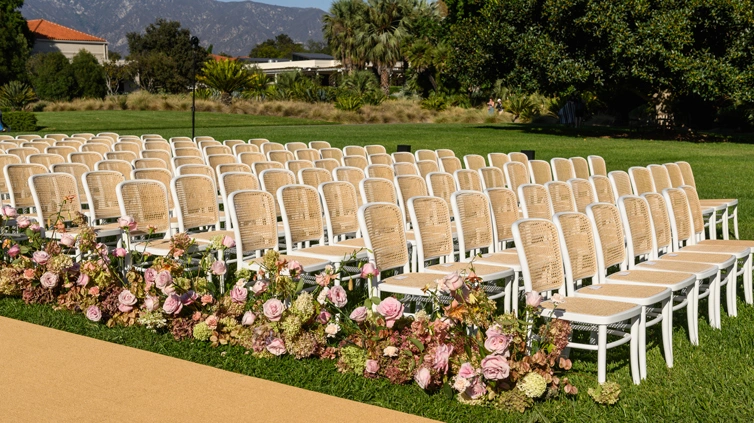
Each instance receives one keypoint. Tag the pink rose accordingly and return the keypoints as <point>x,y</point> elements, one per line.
<point>533,299</point>
<point>273,309</point>
<point>259,287</point>
<point>495,367</point>
<point>442,355</point>
<point>276,347</point>
<point>453,281</point>
<point>23,222</point>
<point>248,318</point>
<point>164,279</point>
<point>322,279</point>
<point>127,223</point>
<point>207,299</point>
<point>151,303</point>
<point>218,268</point>
<point>120,252</point>
<point>172,304</point>
<point>29,273</point>
<point>35,227</point>
<point>83,280</point>
<point>93,313</point>
<point>369,269</point>
<point>423,377</point>
<point>239,294</point>
<point>67,240</point>
<point>150,275</point>
<point>338,296</point>
<point>49,280</point>
<point>323,317</point>
<point>41,257</point>
<point>228,242</point>
<point>467,371</point>
<point>94,291</point>
<point>494,330</point>
<point>211,321</point>
<point>557,299</point>
<point>359,314</point>
<point>476,389</point>
<point>196,316</point>
<point>189,297</point>
<point>497,344</point>
<point>295,267</point>
<point>9,212</point>
<point>391,309</point>
<point>14,251</point>
<point>126,301</point>
<point>373,366</point>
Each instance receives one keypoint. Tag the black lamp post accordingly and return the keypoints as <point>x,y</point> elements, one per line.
<point>194,45</point>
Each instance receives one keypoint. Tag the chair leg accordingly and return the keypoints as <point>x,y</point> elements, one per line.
<point>730,291</point>
<point>636,351</point>
<point>735,221</point>
<point>667,331</point>
<point>643,343</point>
<point>602,354</point>
<point>748,281</point>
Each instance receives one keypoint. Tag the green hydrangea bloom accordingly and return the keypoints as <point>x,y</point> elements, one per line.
<point>533,385</point>
<point>202,332</point>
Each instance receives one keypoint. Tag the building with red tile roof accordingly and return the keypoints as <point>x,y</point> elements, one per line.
<point>49,37</point>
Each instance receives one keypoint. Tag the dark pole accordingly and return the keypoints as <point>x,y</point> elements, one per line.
<point>194,46</point>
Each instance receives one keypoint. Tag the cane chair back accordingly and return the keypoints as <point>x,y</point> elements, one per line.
<point>319,145</point>
<point>195,199</point>
<point>641,180</point>
<point>159,154</point>
<point>250,158</point>
<point>561,197</point>
<point>498,160</point>
<point>174,139</point>
<point>562,169</point>
<point>660,177</point>
<point>175,145</point>
<point>233,143</point>
<point>106,141</point>
<point>658,210</point>
<point>238,149</point>
<point>603,189</point>
<point>216,160</point>
<point>150,164</point>
<point>87,158</point>
<point>328,164</point>
<point>355,150</point>
<point>504,211</point>
<point>132,147</point>
<point>121,166</point>
<point>474,161</point>
<point>112,135</point>
<point>55,196</point>
<point>687,173</point>
<point>188,152</point>
<point>431,222</point>
<point>580,167</point>
<point>583,193</point>
<point>156,146</point>
<point>597,166</point>
<point>426,167</point>
<point>6,159</point>
<point>236,181</point>
<point>409,186</point>
<point>516,175</point>
<point>309,154</point>
<point>381,224</point>
<point>468,180</point>
<point>232,167</point>
<point>492,177</point>
<point>47,160</point>
<point>127,156</point>
<point>280,156</point>
<point>637,222</point>
<point>294,146</point>
<point>27,137</point>
<point>695,208</point>
<point>404,168</point>
<point>403,157</point>
<point>56,137</point>
<point>202,138</point>
<point>301,210</point>
<point>540,172</point>
<point>17,182</point>
<point>181,161</point>
<point>377,190</point>
<point>681,220</point>
<point>217,149</point>
<point>621,184</point>
<point>162,175</point>
<point>444,152</point>
<point>578,247</point>
<point>441,185</point>
<point>61,150</point>
<point>471,211</point>
<point>352,175</point>
<point>40,146</point>
<point>258,142</point>
<point>259,167</point>
<point>375,149</point>
<point>381,158</point>
<point>422,155</point>
<point>84,135</point>
<point>254,222</point>
<point>23,152</point>
<point>100,190</point>
<point>355,161</point>
<point>341,206</point>
<point>380,171</point>
<point>296,165</point>
<point>608,228</point>
<point>332,153</point>
<point>535,201</point>
<point>272,179</point>
<point>314,176</point>
<point>73,144</point>
<point>675,175</point>
<point>450,164</point>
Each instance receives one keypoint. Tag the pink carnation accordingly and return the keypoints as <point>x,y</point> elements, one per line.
<point>338,296</point>
<point>359,314</point>
<point>391,309</point>
<point>93,313</point>
<point>239,294</point>
<point>273,309</point>
<point>276,347</point>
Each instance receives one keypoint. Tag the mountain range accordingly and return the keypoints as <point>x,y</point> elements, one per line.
<point>230,27</point>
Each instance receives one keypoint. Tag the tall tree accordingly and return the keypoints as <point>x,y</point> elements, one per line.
<point>89,75</point>
<point>226,76</point>
<point>340,28</point>
<point>165,40</point>
<point>52,76</point>
<point>281,47</point>
<point>15,42</point>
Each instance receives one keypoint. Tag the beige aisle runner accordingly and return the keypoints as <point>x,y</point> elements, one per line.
<point>47,375</point>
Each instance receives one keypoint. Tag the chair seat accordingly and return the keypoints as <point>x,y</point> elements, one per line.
<point>333,253</point>
<point>729,202</point>
<point>590,310</point>
<point>309,264</point>
<point>642,295</point>
<point>720,260</point>
<point>672,280</point>
<point>157,247</point>
<point>738,251</point>
<point>206,237</point>
<point>354,242</point>
<point>485,271</point>
<point>701,270</point>
<point>507,259</point>
<point>409,283</point>
<point>737,242</point>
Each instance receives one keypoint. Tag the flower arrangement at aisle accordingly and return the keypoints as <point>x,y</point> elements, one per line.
<point>458,346</point>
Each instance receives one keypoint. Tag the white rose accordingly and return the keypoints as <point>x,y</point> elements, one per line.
<point>331,330</point>
<point>390,351</point>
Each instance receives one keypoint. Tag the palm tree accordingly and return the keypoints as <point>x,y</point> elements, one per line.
<point>226,76</point>
<point>340,28</point>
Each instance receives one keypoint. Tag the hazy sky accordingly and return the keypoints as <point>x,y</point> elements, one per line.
<point>321,4</point>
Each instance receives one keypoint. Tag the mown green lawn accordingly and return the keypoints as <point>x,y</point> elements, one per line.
<point>712,382</point>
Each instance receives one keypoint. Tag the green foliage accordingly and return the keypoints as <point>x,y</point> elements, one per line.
<point>348,102</point>
<point>116,73</point>
<point>436,102</point>
<point>20,121</point>
<point>15,42</point>
<point>162,57</point>
<point>16,95</point>
<point>52,76</point>
<point>89,75</point>
<point>360,82</point>
<point>281,47</point>
<point>226,76</point>
<point>297,86</point>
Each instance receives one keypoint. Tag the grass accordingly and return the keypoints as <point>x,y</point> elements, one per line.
<point>712,382</point>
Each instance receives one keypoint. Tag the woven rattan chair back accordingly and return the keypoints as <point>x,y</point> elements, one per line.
<point>181,161</point>
<point>17,182</point>
<point>157,145</point>
<point>100,190</point>
<point>56,137</point>
<point>75,145</point>
<point>450,164</point>
<point>195,199</point>
<point>77,170</point>
<point>296,165</point>
<point>404,168</point>
<point>687,173</point>
<point>183,139</point>
<point>129,146</point>
<point>641,180</point>
<point>127,156</point>
<point>504,211</point>
<point>562,169</point>
<point>147,201</point>
<point>355,161</point>
<point>158,154</point>
<point>597,166</point>
<point>422,155</point>
<point>375,149</point>
<point>444,152</point>
<point>516,175</point>
<point>471,211</point>
<point>233,143</point>
<point>250,158</point>
<point>205,141</point>
<point>540,172</point>
<point>84,135</point>
<point>621,184</point>
<point>426,167</point>
<point>441,185</point>
<point>272,179</point>
<point>658,210</point>
<point>403,157</point>
<point>382,225</point>
<point>328,164</point>
<point>660,177</point>
<point>341,207</point>
<point>254,221</point>
<point>112,135</point>
<point>302,215</point>
<point>695,208</point>
<point>409,186</point>
<point>314,177</point>
<point>380,171</point>
<point>580,254</point>
<point>121,166</point>
<point>236,181</point>
<point>47,160</point>
<point>280,156</point>
<point>23,152</point>
<point>216,160</point>
<point>492,177</point>
<point>295,146</point>
<point>162,175</point>
<point>535,201</point>
<point>431,222</point>
<point>378,190</point>
<point>608,228</point>
<point>603,190</point>
<point>474,161</point>
<point>6,159</point>
<point>319,145</point>
<point>192,169</point>
<point>352,175</point>
<point>217,149</point>
<point>61,150</point>
<point>468,180</point>
<point>498,160</point>
<point>355,150</point>
<point>40,146</point>
<point>681,224</point>
<point>272,146</point>
<point>107,141</point>
<point>519,157</point>
<point>674,173</point>
<point>583,193</point>
<point>580,167</point>
<point>187,152</point>
<point>332,153</point>
<point>638,223</point>
<point>239,149</point>
<point>175,145</point>
<point>258,142</point>
<point>309,154</point>
<point>232,167</point>
<point>259,167</point>
<point>381,158</point>
<point>87,158</point>
<point>51,193</point>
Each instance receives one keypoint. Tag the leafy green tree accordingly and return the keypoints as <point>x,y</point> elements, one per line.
<point>89,75</point>
<point>15,42</point>
<point>164,55</point>
<point>226,76</point>
<point>52,76</point>
<point>116,73</point>
<point>16,96</point>
<point>281,47</point>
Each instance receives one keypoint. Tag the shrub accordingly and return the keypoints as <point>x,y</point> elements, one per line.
<point>348,103</point>
<point>435,102</point>
<point>16,95</point>
<point>89,75</point>
<point>52,76</point>
<point>20,121</point>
